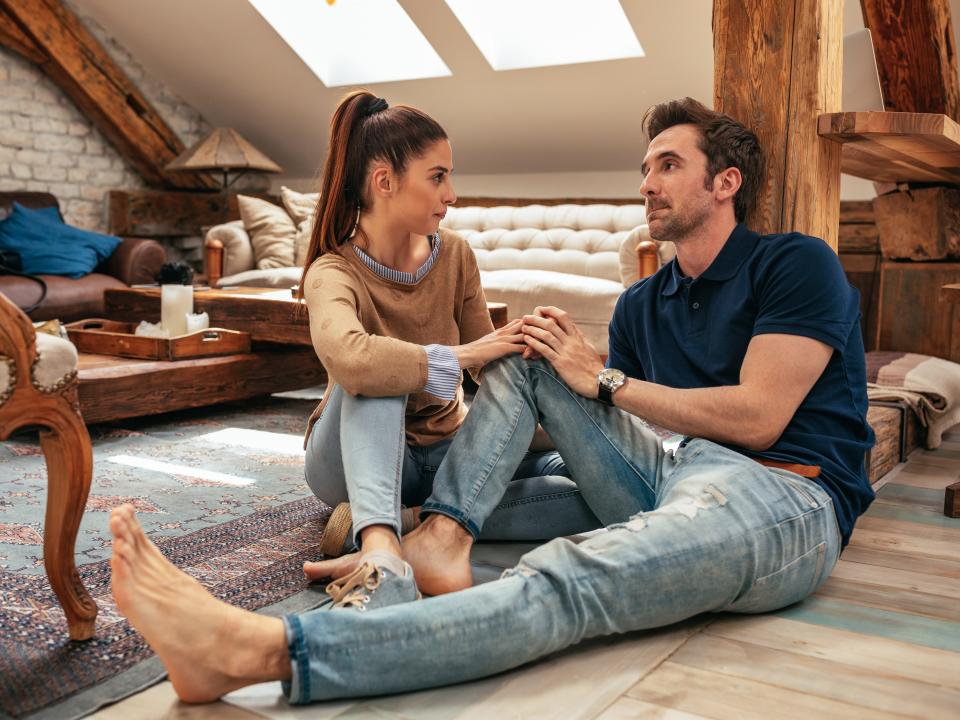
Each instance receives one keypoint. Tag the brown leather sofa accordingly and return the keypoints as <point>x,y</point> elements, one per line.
<point>135,261</point>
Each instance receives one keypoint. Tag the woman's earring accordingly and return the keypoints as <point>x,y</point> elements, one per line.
<point>356,224</point>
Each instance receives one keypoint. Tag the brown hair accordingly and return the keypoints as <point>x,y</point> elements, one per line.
<point>363,129</point>
<point>724,141</point>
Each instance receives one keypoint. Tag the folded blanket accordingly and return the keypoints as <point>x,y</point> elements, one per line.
<point>931,386</point>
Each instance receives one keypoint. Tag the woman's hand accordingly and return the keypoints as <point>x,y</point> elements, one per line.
<point>503,341</point>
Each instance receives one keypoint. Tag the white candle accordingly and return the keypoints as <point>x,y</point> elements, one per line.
<point>197,322</point>
<point>175,302</point>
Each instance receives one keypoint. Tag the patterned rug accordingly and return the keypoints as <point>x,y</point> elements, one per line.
<point>220,490</point>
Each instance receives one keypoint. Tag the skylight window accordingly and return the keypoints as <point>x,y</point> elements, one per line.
<point>514,34</point>
<point>354,42</point>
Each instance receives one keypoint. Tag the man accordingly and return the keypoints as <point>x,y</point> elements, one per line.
<point>747,346</point>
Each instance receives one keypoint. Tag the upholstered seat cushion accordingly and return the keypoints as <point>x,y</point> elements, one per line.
<point>6,378</point>
<point>273,278</point>
<point>56,362</point>
<point>589,300</point>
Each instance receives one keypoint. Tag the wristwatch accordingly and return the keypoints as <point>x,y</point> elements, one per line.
<point>609,380</point>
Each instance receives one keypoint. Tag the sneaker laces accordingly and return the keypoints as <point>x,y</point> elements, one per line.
<point>352,590</point>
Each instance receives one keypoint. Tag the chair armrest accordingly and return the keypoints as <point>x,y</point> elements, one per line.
<point>648,259</point>
<point>227,251</point>
<point>136,261</point>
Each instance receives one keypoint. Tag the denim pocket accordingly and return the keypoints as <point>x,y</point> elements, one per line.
<point>790,584</point>
<point>802,486</point>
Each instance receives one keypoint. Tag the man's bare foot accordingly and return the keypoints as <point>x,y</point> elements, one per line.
<point>334,568</point>
<point>439,553</point>
<point>207,646</point>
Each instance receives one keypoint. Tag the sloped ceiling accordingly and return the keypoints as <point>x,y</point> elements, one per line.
<point>224,59</point>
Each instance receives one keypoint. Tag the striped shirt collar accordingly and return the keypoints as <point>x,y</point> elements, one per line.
<point>398,275</point>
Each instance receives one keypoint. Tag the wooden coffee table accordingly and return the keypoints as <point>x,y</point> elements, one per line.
<point>268,315</point>
<point>283,358</point>
<point>114,388</point>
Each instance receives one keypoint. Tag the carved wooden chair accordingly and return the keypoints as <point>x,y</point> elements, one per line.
<point>38,388</point>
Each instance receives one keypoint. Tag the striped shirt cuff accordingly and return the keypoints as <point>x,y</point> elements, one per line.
<point>443,372</point>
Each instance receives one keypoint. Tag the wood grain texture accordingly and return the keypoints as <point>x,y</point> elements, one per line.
<point>69,461</point>
<point>951,501</point>
<point>921,224</point>
<point>911,316</point>
<point>157,213</point>
<point>895,147</point>
<point>83,69</point>
<point>916,57</point>
<point>12,37</point>
<point>109,337</point>
<point>777,67</point>
<point>113,388</point>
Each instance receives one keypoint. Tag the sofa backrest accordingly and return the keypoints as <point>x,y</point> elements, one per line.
<point>575,239</point>
<point>32,200</point>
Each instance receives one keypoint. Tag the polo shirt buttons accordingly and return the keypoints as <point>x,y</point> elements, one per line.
<point>696,306</point>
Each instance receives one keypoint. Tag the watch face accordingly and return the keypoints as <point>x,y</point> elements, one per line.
<point>612,378</point>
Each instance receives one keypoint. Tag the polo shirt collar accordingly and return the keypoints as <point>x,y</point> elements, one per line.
<point>738,247</point>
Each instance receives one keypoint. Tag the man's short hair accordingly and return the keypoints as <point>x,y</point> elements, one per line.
<point>724,141</point>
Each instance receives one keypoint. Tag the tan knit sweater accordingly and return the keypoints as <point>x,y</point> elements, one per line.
<point>369,332</point>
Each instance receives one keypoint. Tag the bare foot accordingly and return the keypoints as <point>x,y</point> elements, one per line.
<point>335,568</point>
<point>439,553</point>
<point>207,646</point>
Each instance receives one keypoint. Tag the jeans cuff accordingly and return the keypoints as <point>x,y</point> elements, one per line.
<point>297,689</point>
<point>388,520</point>
<point>452,513</point>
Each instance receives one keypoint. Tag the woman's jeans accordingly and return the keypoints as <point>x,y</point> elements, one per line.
<point>357,452</point>
<point>702,530</point>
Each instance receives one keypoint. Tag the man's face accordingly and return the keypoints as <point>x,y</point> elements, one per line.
<point>675,171</point>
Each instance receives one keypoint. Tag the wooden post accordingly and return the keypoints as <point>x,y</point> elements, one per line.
<point>777,67</point>
<point>916,57</point>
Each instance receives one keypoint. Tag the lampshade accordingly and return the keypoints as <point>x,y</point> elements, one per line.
<point>222,150</point>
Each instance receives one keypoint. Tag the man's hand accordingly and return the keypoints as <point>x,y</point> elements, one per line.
<point>551,333</point>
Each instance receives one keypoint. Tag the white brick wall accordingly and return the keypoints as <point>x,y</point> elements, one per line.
<point>46,143</point>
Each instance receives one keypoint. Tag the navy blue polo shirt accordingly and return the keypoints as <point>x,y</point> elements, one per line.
<point>693,333</point>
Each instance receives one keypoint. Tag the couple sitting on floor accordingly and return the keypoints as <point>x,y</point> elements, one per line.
<point>748,346</point>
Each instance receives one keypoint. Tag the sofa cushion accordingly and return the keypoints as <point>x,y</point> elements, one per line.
<point>56,363</point>
<point>7,378</point>
<point>589,301</point>
<point>300,206</point>
<point>237,250</point>
<point>273,278</point>
<point>47,246</point>
<point>272,232</point>
<point>577,239</point>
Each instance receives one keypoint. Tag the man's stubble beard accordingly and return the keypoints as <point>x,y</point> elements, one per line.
<point>678,227</point>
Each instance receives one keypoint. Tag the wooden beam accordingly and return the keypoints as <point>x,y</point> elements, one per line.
<point>12,37</point>
<point>158,213</point>
<point>100,88</point>
<point>777,67</point>
<point>916,56</point>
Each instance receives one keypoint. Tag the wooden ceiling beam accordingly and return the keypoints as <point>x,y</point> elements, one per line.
<point>83,69</point>
<point>916,56</point>
<point>12,37</point>
<point>777,67</point>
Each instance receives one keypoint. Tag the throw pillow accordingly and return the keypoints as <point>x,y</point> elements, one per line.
<point>48,246</point>
<point>302,241</point>
<point>300,205</point>
<point>272,232</point>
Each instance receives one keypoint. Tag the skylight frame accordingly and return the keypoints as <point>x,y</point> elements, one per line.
<point>525,34</point>
<point>354,42</point>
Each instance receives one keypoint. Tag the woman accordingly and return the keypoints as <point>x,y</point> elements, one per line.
<point>396,311</point>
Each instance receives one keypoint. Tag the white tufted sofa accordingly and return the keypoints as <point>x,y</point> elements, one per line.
<point>576,257</point>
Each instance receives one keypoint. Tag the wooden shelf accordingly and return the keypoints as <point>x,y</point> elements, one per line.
<point>896,147</point>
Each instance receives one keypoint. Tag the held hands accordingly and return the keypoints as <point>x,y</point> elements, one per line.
<point>551,334</point>
<point>507,340</point>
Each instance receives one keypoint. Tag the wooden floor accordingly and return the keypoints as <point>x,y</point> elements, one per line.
<point>881,639</point>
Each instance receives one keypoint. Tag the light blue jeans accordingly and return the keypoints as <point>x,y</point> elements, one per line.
<point>702,530</point>
<point>357,452</point>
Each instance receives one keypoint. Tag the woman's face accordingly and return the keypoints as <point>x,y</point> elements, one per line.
<point>424,191</point>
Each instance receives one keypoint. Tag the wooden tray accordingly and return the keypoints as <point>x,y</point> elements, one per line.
<point>108,337</point>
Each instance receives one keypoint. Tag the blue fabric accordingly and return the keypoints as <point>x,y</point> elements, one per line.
<point>47,246</point>
<point>684,333</point>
